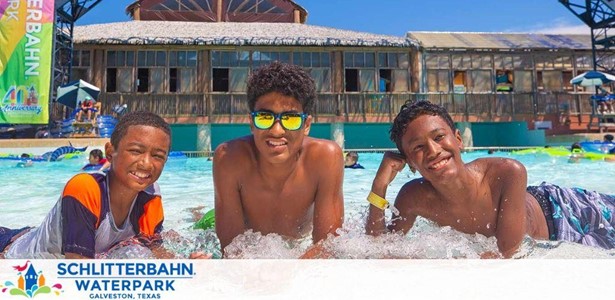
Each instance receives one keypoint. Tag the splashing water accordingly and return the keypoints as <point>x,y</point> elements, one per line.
<point>425,240</point>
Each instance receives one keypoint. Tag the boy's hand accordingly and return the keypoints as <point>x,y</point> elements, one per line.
<point>392,163</point>
<point>317,251</point>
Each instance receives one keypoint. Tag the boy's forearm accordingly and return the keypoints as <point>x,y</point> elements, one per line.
<point>375,224</point>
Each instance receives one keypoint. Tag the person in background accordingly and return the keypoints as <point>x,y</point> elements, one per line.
<point>487,196</point>
<point>97,161</point>
<point>98,211</point>
<point>608,138</point>
<point>26,161</point>
<point>351,161</point>
<point>604,101</point>
<point>278,179</point>
<point>576,153</point>
<point>86,107</point>
<point>120,110</point>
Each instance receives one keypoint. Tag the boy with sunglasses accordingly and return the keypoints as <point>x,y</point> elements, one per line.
<point>487,196</point>
<point>278,180</point>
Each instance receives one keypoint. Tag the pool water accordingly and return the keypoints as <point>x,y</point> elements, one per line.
<point>27,194</point>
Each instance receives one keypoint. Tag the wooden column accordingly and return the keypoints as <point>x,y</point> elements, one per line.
<point>296,16</point>
<point>98,68</point>
<point>204,82</point>
<point>415,70</point>
<point>338,72</point>
<point>204,72</point>
<point>219,4</point>
<point>137,14</point>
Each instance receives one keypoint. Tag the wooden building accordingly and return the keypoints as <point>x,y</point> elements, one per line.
<point>190,63</point>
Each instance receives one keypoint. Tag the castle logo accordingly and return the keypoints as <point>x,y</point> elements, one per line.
<point>30,283</point>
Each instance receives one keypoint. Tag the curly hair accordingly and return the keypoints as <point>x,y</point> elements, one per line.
<point>411,111</point>
<point>286,79</point>
<point>136,118</point>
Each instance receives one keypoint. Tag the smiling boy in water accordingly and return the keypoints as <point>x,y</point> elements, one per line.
<point>486,196</point>
<point>278,180</point>
<point>98,211</point>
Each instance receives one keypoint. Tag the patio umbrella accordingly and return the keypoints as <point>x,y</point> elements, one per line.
<point>592,78</point>
<point>72,93</point>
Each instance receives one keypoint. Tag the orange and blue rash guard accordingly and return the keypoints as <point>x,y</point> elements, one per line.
<point>82,223</point>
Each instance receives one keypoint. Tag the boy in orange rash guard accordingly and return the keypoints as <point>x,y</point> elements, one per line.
<point>97,211</point>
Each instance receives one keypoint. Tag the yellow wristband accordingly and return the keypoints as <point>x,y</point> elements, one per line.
<point>377,201</point>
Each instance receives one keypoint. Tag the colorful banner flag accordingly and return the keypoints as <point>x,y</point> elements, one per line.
<point>26,40</point>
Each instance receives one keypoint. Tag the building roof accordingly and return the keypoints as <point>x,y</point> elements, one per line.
<point>225,33</point>
<point>490,40</point>
<point>205,10</point>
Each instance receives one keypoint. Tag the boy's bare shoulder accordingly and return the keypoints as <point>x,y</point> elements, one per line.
<point>414,195</point>
<point>320,148</point>
<point>499,166</point>
<point>237,150</point>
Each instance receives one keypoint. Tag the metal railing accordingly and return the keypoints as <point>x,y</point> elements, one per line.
<point>366,107</point>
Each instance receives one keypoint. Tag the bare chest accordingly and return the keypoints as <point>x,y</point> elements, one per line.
<point>478,216</point>
<point>285,208</point>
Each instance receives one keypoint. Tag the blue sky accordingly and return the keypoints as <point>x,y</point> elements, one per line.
<point>396,17</point>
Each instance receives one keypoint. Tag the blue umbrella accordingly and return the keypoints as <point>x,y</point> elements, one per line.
<point>72,93</point>
<point>592,78</point>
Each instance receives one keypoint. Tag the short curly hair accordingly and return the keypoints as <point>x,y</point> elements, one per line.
<point>286,79</point>
<point>136,118</point>
<point>412,110</point>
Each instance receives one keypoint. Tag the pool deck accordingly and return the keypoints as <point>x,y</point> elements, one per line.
<point>565,140</point>
<point>568,139</point>
<point>33,143</point>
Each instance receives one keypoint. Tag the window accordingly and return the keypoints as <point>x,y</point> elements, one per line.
<point>220,80</point>
<point>504,80</point>
<point>143,80</point>
<point>393,72</point>
<point>80,65</point>
<point>182,71</point>
<point>81,58</point>
<point>260,58</point>
<point>584,61</point>
<point>385,81</point>
<point>479,81</point>
<point>119,76</point>
<point>360,71</point>
<point>352,80</point>
<point>318,64</point>
<point>566,77</point>
<point>472,72</point>
<point>549,80</point>
<point>523,81</point>
<point>437,68</point>
<point>151,71</point>
<point>459,82</point>
<point>111,80</point>
<point>230,70</point>
<point>437,81</point>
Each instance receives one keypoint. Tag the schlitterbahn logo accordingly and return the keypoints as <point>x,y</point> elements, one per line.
<point>30,283</point>
<point>125,280</point>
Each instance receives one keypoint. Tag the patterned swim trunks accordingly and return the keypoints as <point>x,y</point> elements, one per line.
<point>577,215</point>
